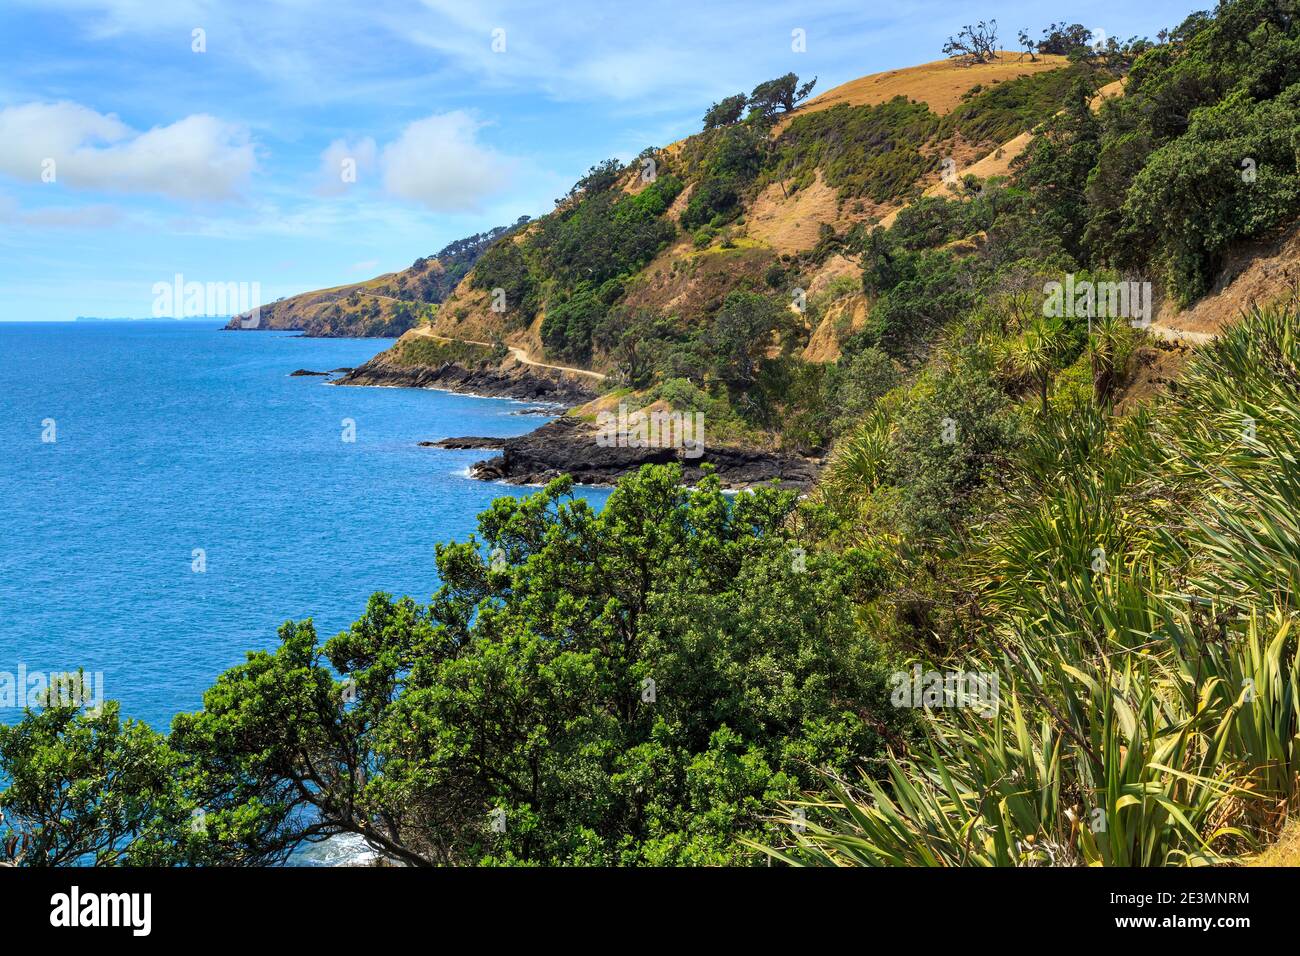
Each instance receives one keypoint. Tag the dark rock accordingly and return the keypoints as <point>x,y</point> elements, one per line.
<point>568,446</point>
<point>305,371</point>
<point>461,444</point>
<point>527,383</point>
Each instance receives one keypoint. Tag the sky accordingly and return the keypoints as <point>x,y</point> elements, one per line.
<point>301,145</point>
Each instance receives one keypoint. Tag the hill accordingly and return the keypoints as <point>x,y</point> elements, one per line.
<point>780,267</point>
<point>382,307</point>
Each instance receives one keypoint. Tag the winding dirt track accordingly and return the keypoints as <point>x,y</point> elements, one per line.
<point>1180,335</point>
<point>516,351</point>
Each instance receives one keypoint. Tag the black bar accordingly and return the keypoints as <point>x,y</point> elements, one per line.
<point>365,904</point>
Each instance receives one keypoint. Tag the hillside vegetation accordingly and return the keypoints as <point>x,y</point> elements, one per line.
<point>1040,610</point>
<point>728,266</point>
<point>383,307</point>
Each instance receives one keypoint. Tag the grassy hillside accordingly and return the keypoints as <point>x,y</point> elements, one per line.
<point>680,270</point>
<point>383,307</point>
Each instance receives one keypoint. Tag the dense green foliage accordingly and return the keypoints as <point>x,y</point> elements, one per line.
<point>872,151</point>
<point>505,267</point>
<point>727,111</point>
<point>1199,153</point>
<point>633,686</point>
<point>728,161</point>
<point>1139,595</point>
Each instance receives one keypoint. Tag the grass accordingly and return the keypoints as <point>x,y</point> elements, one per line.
<point>1001,112</point>
<point>432,352</point>
<point>1285,852</point>
<point>872,151</point>
<point>1140,607</point>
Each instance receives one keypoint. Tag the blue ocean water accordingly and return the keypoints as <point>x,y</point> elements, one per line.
<point>176,436</point>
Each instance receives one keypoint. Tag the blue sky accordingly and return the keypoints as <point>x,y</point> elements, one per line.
<point>227,164</point>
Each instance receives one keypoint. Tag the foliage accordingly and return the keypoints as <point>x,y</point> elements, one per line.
<point>1007,109</point>
<point>524,687</point>
<point>975,44</point>
<point>731,159</point>
<point>726,112</point>
<point>505,267</point>
<point>871,151</point>
<point>1141,614</point>
<point>780,95</point>
<point>436,352</point>
<point>1063,39</point>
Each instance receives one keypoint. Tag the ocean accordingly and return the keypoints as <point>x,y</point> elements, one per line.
<point>169,495</point>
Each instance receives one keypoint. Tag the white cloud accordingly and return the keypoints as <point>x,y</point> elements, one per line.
<point>438,162</point>
<point>342,164</point>
<point>198,157</point>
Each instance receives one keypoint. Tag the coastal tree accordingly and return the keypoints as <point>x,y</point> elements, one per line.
<point>974,44</point>
<point>780,95</point>
<point>1026,41</point>
<point>629,686</point>
<point>725,112</point>
<point>742,332</point>
<point>1062,39</point>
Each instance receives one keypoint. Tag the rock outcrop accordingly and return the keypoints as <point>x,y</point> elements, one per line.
<point>528,383</point>
<point>569,446</point>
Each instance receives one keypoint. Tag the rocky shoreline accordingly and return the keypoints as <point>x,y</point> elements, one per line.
<point>568,446</point>
<point>521,382</point>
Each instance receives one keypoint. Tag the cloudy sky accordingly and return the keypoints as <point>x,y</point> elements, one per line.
<point>304,144</point>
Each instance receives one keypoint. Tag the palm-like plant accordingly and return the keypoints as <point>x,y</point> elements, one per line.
<point>1033,355</point>
<point>862,460</point>
<point>1105,345</point>
<point>1151,705</point>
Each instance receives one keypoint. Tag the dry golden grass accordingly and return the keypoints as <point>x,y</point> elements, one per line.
<point>842,319</point>
<point>939,84</point>
<point>1285,852</point>
<point>792,222</point>
<point>1255,273</point>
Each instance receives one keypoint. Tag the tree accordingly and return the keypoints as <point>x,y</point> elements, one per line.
<point>726,112</point>
<point>977,44</point>
<point>952,438</point>
<point>600,177</point>
<point>629,686</point>
<point>1028,43</point>
<point>1105,345</point>
<point>741,334</point>
<point>1057,166</point>
<point>865,378</point>
<point>88,789</point>
<point>1061,39</point>
<point>1034,355</point>
<point>634,339</point>
<point>780,95</point>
